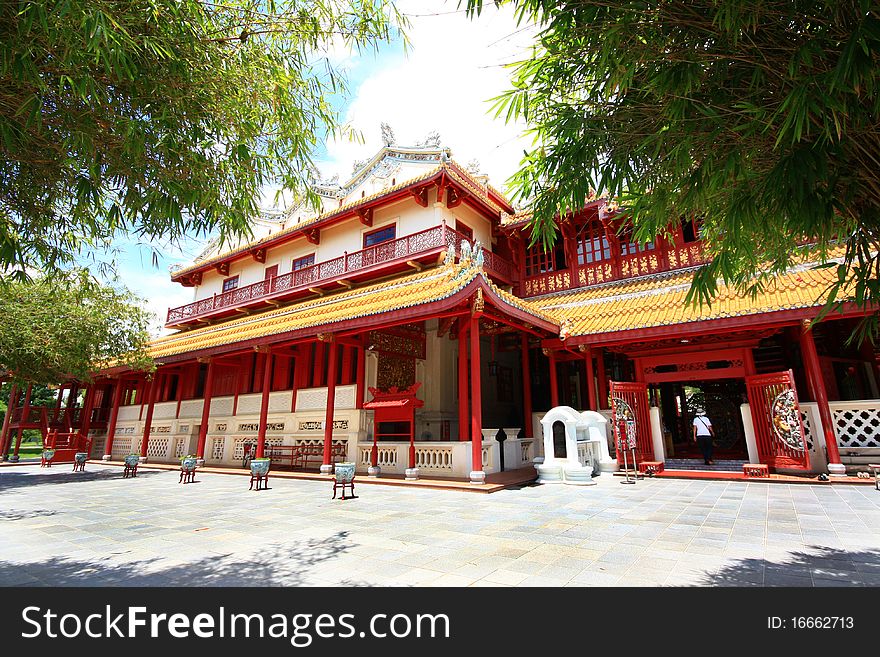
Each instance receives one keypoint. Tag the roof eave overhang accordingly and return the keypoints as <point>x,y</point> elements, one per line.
<point>454,304</point>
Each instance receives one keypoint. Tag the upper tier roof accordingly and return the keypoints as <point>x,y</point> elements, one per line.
<point>430,164</point>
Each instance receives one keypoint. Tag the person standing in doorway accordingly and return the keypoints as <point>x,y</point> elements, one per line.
<point>703,434</point>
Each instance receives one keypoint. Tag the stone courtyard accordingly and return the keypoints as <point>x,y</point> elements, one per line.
<point>95,528</point>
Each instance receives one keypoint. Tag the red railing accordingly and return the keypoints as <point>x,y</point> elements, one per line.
<point>403,248</point>
<point>631,266</point>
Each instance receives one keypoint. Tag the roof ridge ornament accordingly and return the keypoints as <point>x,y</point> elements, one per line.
<point>388,138</point>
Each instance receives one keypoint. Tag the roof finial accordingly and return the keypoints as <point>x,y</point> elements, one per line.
<point>387,134</point>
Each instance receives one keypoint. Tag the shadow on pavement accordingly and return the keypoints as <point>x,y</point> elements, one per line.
<point>273,565</point>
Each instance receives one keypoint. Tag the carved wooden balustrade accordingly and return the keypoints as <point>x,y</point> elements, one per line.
<point>631,266</point>
<point>398,250</point>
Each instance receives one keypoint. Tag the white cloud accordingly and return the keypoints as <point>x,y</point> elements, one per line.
<point>452,70</point>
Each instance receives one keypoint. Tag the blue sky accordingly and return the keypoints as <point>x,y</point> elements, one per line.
<point>443,83</point>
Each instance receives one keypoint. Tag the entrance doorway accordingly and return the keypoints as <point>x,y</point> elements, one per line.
<point>720,399</point>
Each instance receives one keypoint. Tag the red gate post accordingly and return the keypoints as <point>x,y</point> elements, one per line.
<point>111,422</point>
<point>327,465</point>
<point>816,384</point>
<point>463,415</point>
<point>477,475</point>
<point>206,414</point>
<point>527,386</point>
<point>264,404</point>
<point>154,388</point>
<point>4,433</point>
<point>554,382</point>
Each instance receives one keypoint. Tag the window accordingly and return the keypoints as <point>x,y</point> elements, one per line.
<point>628,247</point>
<point>305,261</point>
<point>691,230</point>
<point>385,234</point>
<point>539,261</point>
<point>230,284</point>
<point>592,244</point>
<point>466,231</point>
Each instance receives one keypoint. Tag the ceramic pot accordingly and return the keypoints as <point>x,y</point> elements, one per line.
<point>259,467</point>
<point>344,472</point>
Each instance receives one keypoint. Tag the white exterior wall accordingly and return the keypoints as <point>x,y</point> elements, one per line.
<point>347,237</point>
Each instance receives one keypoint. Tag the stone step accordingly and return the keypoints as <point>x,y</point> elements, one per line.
<point>724,465</point>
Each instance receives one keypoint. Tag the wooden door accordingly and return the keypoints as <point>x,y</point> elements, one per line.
<point>630,419</point>
<point>776,416</point>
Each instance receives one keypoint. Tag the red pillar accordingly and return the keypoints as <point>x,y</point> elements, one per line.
<point>85,421</point>
<point>477,474</point>
<point>346,365</point>
<point>318,366</point>
<point>463,415</point>
<point>111,422</point>
<point>591,382</point>
<point>17,445</point>
<point>816,384</point>
<point>327,466</point>
<point>4,433</point>
<point>527,386</point>
<point>554,381</point>
<point>361,376</point>
<point>206,412</point>
<point>154,389</point>
<point>264,405</point>
<point>600,375</point>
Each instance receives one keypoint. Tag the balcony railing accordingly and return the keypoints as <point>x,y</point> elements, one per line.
<point>640,264</point>
<point>404,248</point>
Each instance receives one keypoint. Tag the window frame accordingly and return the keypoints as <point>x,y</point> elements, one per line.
<point>308,256</point>
<point>226,281</point>
<point>367,234</point>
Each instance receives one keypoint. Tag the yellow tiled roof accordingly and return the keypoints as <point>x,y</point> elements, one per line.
<point>396,294</point>
<point>660,301</point>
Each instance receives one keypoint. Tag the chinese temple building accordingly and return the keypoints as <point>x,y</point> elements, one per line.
<point>408,323</point>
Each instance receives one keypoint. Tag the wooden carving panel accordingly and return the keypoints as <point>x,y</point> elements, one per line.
<point>395,371</point>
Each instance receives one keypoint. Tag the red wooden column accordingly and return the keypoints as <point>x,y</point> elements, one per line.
<point>527,386</point>
<point>4,433</point>
<point>58,401</point>
<point>206,414</point>
<point>463,415</point>
<point>817,389</point>
<point>361,376</point>
<point>346,365</point>
<point>155,387</point>
<point>600,375</point>
<point>85,421</point>
<point>111,422</point>
<point>591,382</point>
<point>264,404</point>
<point>477,474</point>
<point>327,466</point>
<point>17,446</point>
<point>25,411</point>
<point>554,380</point>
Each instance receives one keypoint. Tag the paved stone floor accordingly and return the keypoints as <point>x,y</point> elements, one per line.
<point>95,528</point>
